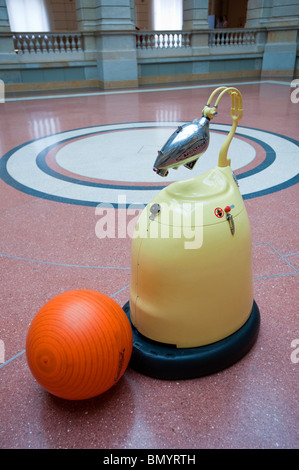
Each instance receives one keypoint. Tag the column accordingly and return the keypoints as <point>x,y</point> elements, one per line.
<point>7,53</point>
<point>4,22</point>
<point>113,32</point>
<point>195,17</point>
<point>195,14</point>
<point>278,17</point>
<point>272,13</point>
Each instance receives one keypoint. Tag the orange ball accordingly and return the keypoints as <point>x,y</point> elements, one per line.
<point>79,344</point>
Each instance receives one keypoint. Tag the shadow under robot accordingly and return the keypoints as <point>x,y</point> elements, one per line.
<point>191,307</point>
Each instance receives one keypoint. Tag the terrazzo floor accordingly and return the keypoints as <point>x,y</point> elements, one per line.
<point>62,156</point>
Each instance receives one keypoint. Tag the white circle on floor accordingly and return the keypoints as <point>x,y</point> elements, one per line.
<point>129,155</point>
<point>25,167</point>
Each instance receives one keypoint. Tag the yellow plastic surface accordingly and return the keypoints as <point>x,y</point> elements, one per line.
<point>191,297</point>
<point>191,279</point>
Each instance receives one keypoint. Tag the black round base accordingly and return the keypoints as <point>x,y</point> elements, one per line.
<point>164,361</point>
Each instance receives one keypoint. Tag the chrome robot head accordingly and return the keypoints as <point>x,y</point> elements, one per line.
<point>184,146</point>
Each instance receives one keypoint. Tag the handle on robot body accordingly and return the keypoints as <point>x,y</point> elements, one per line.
<point>236,114</point>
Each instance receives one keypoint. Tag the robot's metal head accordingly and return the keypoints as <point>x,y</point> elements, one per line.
<point>184,146</point>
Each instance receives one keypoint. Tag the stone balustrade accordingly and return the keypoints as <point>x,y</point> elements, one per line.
<point>148,56</point>
<point>163,39</point>
<point>44,43</point>
<point>232,37</point>
<point>183,39</point>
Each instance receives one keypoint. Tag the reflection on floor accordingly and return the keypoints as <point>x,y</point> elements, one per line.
<point>62,156</point>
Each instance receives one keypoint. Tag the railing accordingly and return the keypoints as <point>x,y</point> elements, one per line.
<point>242,37</point>
<point>44,43</point>
<point>163,40</point>
<point>182,39</point>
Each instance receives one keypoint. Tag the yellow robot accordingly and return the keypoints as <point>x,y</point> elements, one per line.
<point>191,297</point>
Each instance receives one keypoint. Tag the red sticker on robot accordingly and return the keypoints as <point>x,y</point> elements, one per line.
<point>219,212</point>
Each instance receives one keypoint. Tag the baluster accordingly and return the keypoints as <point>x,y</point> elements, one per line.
<point>26,44</point>
<point>169,42</point>
<point>34,43</point>
<point>30,43</point>
<point>79,43</point>
<point>152,41</point>
<point>75,38</point>
<point>44,43</point>
<point>27,48</point>
<point>17,44</point>
<point>60,43</point>
<point>176,40</point>
<point>49,39</point>
<point>69,43</point>
<point>142,41</point>
<point>160,41</point>
<point>188,40</point>
<point>147,42</point>
<point>56,45</point>
<point>63,44</point>
<point>38,43</point>
<point>182,40</point>
<point>21,43</point>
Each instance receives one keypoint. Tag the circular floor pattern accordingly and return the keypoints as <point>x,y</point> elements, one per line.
<point>99,164</point>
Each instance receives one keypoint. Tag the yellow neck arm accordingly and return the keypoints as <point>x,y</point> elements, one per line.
<point>236,114</point>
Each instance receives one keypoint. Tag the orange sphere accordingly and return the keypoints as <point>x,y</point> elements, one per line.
<point>79,344</point>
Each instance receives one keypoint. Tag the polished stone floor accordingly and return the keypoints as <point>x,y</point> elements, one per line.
<point>64,156</point>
